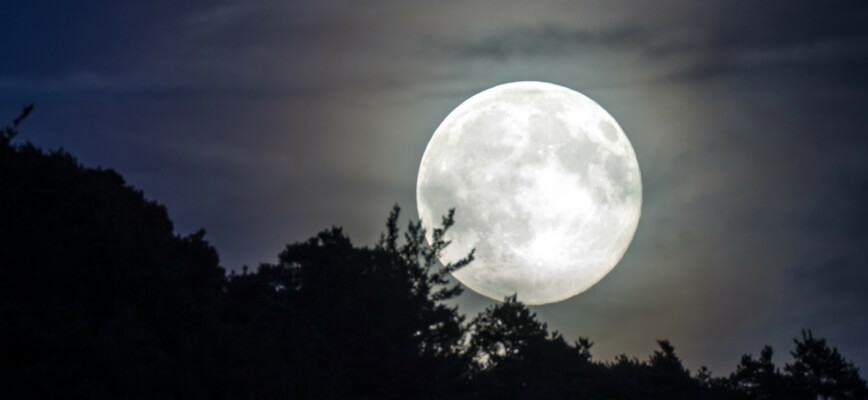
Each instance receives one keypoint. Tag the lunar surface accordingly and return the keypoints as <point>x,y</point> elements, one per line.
<point>545,186</point>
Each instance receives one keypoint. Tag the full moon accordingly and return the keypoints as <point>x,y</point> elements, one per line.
<point>545,186</point>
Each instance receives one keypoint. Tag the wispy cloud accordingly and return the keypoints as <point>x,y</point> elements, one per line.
<point>705,47</point>
<point>548,41</point>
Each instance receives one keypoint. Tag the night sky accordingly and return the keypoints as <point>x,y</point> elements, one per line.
<point>266,122</point>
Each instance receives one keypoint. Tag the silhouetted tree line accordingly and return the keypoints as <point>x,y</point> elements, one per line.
<point>99,298</point>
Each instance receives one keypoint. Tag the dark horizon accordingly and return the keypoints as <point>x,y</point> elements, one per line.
<point>265,123</point>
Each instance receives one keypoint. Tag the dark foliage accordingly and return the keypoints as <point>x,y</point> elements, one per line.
<point>819,371</point>
<point>99,298</point>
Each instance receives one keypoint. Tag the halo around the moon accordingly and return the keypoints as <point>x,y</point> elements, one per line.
<point>546,188</point>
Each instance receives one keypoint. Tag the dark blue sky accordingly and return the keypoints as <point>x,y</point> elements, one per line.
<point>265,122</point>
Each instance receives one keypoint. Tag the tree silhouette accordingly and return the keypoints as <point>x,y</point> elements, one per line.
<point>760,379</point>
<point>516,357</point>
<point>100,298</point>
<point>371,319</point>
<point>504,332</point>
<point>821,372</point>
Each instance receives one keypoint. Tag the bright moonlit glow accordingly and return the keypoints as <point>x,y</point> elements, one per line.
<point>546,187</point>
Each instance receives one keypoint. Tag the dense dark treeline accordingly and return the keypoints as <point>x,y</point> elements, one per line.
<point>100,299</point>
